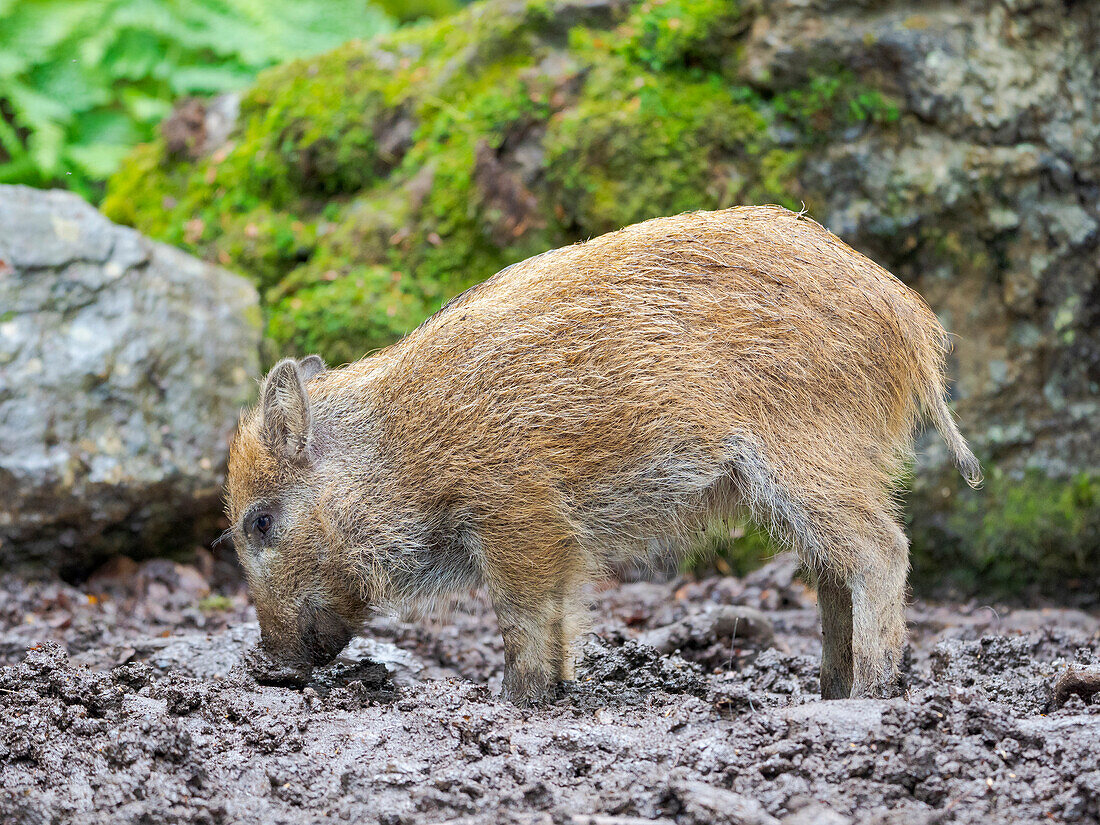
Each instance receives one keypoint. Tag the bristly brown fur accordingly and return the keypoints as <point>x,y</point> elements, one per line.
<point>580,407</point>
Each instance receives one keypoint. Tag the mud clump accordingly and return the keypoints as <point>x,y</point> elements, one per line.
<point>1011,671</point>
<point>268,671</point>
<point>367,679</point>
<point>627,672</point>
<point>999,725</point>
<point>717,637</point>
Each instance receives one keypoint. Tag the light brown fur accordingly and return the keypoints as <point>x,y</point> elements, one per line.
<point>583,405</point>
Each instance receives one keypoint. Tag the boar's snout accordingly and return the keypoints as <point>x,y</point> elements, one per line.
<point>324,634</point>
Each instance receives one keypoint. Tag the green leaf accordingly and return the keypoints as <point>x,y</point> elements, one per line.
<point>69,83</point>
<point>12,63</point>
<point>98,160</point>
<point>37,29</point>
<point>144,108</point>
<point>81,80</point>
<point>22,170</point>
<point>9,140</point>
<point>208,79</point>
<point>45,146</point>
<point>134,54</point>
<point>104,126</point>
<point>34,110</point>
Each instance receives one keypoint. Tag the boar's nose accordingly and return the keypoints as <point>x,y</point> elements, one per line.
<point>323,632</point>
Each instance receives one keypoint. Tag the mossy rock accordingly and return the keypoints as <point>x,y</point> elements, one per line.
<point>363,188</point>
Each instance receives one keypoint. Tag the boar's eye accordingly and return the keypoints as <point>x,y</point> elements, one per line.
<point>262,523</point>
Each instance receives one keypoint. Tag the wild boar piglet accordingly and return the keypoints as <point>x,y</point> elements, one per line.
<point>584,406</point>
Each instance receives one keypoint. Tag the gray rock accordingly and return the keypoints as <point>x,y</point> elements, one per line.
<point>816,814</point>
<point>853,719</point>
<point>123,366</point>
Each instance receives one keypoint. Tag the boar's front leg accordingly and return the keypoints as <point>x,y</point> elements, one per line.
<point>534,572</point>
<point>834,600</point>
<point>539,637</point>
<point>531,671</point>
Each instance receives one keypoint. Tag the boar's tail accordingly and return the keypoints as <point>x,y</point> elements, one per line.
<point>964,459</point>
<point>934,401</point>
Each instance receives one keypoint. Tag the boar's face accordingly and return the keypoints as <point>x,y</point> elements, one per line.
<point>275,497</point>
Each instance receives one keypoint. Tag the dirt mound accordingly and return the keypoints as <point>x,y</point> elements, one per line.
<point>1000,724</point>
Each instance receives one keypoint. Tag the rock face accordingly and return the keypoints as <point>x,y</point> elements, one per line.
<point>958,146</point>
<point>984,197</point>
<point>123,364</point>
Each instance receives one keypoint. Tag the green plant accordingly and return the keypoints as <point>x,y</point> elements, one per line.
<point>82,81</point>
<point>215,604</point>
<point>733,547</point>
<point>1018,531</point>
<point>407,11</point>
<point>681,33</point>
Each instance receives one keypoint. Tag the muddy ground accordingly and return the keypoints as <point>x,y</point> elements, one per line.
<point>697,704</point>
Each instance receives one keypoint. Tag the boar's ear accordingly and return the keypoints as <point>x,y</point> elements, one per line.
<point>310,366</point>
<point>287,420</point>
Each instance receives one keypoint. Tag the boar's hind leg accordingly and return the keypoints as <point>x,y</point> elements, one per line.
<point>877,584</point>
<point>834,601</point>
<point>861,558</point>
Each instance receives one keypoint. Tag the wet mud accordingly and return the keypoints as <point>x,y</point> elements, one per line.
<point>138,699</point>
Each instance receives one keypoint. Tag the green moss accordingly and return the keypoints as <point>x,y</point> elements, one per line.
<point>1018,532</point>
<point>682,34</point>
<point>264,242</point>
<point>311,129</point>
<point>624,154</point>
<point>370,306</point>
<point>732,547</point>
<point>829,103</point>
<point>405,11</point>
<point>215,604</point>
